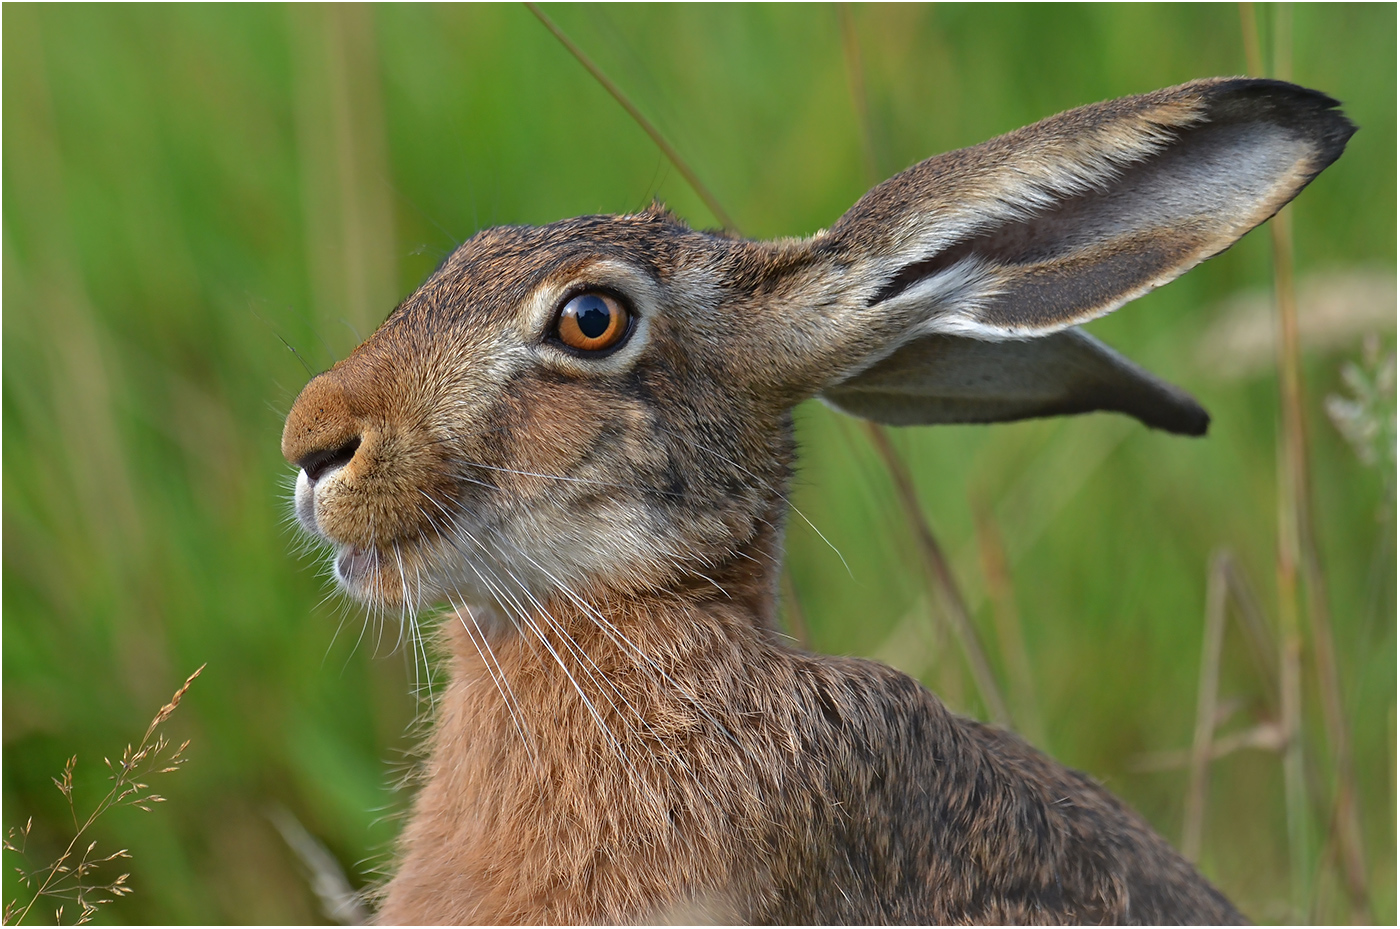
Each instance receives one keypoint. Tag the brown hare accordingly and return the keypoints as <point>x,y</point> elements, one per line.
<point>579,436</point>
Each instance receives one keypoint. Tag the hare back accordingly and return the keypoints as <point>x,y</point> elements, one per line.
<point>730,778</point>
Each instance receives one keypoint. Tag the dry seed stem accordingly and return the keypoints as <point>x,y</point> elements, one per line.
<point>1298,553</point>
<point>691,178</point>
<point>124,786</point>
<point>1217,589</point>
<point>940,574</point>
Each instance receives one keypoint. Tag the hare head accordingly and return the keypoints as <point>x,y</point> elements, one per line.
<point>603,403</point>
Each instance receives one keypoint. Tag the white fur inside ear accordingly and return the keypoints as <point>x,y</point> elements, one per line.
<point>1229,176</point>
<point>951,301</point>
<point>1016,191</point>
<point>1062,263</point>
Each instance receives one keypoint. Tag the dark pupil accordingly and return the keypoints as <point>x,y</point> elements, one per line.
<point>593,316</point>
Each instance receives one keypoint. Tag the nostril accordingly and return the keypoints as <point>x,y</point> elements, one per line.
<point>318,463</point>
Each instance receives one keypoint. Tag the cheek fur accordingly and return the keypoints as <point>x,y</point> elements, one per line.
<point>559,430</point>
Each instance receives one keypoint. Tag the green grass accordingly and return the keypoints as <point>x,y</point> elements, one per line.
<point>187,187</point>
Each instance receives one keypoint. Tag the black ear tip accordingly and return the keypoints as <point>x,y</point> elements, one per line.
<point>1267,92</point>
<point>1188,419</point>
<point>1160,405</point>
<point>1308,111</point>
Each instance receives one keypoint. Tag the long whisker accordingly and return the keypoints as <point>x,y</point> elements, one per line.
<point>491,663</point>
<point>513,605</point>
<point>786,498</point>
<point>590,612</point>
<point>558,659</point>
<point>572,479</point>
<point>523,614</point>
<point>498,677</point>
<point>610,630</point>
<point>377,607</point>
<point>414,626</point>
<point>598,679</point>
<point>406,620</point>
<point>573,645</point>
<point>456,535</point>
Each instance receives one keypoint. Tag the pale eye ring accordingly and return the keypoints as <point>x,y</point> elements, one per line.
<point>592,321</point>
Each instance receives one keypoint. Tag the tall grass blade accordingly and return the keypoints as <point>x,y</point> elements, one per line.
<point>1207,700</point>
<point>940,575</point>
<point>667,149</point>
<point>1298,553</point>
<point>1000,590</point>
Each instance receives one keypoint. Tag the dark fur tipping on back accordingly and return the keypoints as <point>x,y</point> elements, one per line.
<point>624,736</point>
<point>768,786</point>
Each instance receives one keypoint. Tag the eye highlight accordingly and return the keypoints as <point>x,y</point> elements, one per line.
<point>593,322</point>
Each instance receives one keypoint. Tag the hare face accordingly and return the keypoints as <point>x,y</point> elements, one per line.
<point>467,452</point>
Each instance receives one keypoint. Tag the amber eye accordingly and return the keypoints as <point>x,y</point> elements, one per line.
<point>591,322</point>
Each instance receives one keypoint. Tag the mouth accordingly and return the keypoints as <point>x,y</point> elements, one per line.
<point>377,579</point>
<point>354,565</point>
<point>380,578</point>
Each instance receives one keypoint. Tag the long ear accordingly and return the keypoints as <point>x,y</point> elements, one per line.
<point>955,379</point>
<point>1047,227</point>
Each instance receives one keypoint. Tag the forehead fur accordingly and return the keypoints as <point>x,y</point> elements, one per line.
<point>496,270</point>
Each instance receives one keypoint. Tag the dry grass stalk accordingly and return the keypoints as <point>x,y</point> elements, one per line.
<point>340,903</point>
<point>673,156</point>
<point>1262,647</point>
<point>1298,554</point>
<point>1208,693</point>
<point>940,575</point>
<point>1286,573</point>
<point>68,877</point>
<point>992,555</point>
<point>1227,584</point>
<point>1266,736</point>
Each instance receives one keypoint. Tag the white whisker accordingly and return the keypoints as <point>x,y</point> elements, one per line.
<point>568,478</point>
<point>787,500</point>
<point>610,630</point>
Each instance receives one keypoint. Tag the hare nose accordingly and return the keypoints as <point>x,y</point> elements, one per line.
<point>322,431</point>
<point>318,463</point>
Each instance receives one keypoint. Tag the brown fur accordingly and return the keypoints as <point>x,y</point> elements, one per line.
<point>624,737</point>
<point>766,785</point>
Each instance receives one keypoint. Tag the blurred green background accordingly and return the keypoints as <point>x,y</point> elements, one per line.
<point>187,187</point>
